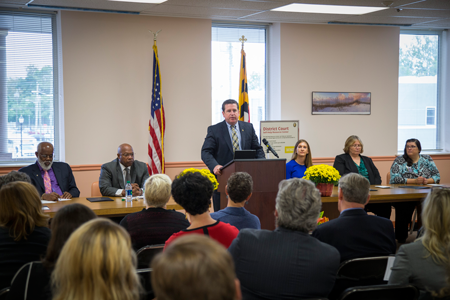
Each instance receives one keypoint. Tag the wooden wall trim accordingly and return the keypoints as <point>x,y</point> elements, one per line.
<point>200,164</point>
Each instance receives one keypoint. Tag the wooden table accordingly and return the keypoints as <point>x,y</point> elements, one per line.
<point>116,208</point>
<point>119,208</point>
<point>394,194</point>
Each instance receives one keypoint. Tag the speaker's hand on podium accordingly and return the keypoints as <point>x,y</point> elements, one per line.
<point>217,170</point>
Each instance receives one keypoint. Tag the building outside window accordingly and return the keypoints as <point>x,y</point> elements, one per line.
<point>418,93</point>
<point>28,97</point>
<point>226,59</point>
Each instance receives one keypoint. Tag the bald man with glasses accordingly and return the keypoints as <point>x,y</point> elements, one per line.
<point>53,180</point>
<point>115,174</point>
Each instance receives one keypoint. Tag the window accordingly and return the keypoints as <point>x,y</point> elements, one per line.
<point>28,81</point>
<point>418,92</point>
<point>431,115</point>
<point>226,59</point>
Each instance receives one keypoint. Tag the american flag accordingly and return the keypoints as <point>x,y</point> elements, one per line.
<point>157,122</point>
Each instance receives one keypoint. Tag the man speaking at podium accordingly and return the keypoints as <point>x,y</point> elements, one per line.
<point>226,137</point>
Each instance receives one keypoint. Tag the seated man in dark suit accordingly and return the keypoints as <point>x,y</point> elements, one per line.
<point>287,263</point>
<point>355,233</point>
<point>53,180</point>
<point>115,174</point>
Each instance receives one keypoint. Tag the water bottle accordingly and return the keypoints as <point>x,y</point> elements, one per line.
<point>128,192</point>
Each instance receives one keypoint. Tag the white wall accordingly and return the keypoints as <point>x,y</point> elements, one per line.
<point>336,58</point>
<point>108,81</point>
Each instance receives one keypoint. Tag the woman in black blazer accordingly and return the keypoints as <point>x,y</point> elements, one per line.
<point>353,162</point>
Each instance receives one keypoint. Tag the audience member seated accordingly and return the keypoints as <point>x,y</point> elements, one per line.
<point>193,192</point>
<point>52,180</point>
<point>301,160</point>
<point>115,174</point>
<point>355,233</point>
<point>287,263</point>
<point>24,234</point>
<point>351,161</point>
<point>410,168</point>
<point>195,267</point>
<point>32,281</point>
<point>14,176</point>
<point>97,262</point>
<point>239,190</point>
<point>425,263</point>
<point>154,224</point>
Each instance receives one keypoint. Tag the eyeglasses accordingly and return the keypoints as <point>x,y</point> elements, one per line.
<point>49,156</point>
<point>411,147</point>
<point>127,154</point>
<point>356,146</point>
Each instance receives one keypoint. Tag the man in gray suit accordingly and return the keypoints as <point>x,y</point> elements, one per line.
<point>113,175</point>
<point>287,263</point>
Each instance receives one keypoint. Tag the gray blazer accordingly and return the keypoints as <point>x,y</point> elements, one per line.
<point>111,176</point>
<point>414,265</point>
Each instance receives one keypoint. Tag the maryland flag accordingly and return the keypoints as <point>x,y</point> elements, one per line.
<point>243,91</point>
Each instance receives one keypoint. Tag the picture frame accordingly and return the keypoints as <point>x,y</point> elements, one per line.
<point>341,103</point>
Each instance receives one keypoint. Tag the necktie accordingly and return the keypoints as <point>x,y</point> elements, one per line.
<point>127,175</point>
<point>234,139</point>
<point>47,183</point>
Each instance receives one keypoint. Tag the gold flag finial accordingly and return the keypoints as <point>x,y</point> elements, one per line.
<point>243,40</point>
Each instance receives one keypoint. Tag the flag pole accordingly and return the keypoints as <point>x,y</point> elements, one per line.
<point>155,50</point>
<point>244,106</point>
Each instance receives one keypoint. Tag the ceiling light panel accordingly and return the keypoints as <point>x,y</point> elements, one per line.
<point>328,9</point>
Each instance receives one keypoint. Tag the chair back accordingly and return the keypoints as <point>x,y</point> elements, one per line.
<point>146,281</point>
<point>4,293</point>
<point>388,177</point>
<point>385,292</point>
<point>359,272</point>
<point>95,190</point>
<point>146,254</point>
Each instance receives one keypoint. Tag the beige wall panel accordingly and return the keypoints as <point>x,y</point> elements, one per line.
<point>107,61</point>
<point>341,59</point>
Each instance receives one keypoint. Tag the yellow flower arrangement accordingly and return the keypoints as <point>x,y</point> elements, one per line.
<point>205,172</point>
<point>322,174</point>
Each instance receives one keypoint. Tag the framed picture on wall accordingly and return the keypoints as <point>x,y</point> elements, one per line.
<point>341,103</point>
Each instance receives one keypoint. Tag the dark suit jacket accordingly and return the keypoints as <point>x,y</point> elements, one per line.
<point>111,176</point>
<point>217,148</point>
<point>283,264</point>
<point>356,234</point>
<point>345,164</point>
<point>63,174</point>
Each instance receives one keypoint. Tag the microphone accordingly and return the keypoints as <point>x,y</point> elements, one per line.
<point>270,147</point>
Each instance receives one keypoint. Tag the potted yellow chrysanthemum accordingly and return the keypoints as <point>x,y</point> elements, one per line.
<point>324,176</point>
<point>205,172</point>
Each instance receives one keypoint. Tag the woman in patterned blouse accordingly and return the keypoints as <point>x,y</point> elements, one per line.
<point>411,168</point>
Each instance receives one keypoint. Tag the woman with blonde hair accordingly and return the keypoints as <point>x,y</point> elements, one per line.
<point>24,235</point>
<point>97,262</point>
<point>300,160</point>
<point>425,263</point>
<point>154,224</point>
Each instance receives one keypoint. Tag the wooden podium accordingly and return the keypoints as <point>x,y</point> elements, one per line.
<point>266,175</point>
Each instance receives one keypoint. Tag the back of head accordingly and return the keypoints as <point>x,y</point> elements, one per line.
<point>355,188</point>
<point>14,176</point>
<point>298,204</point>
<point>185,269</point>
<point>239,186</point>
<point>193,192</point>
<point>66,221</point>
<point>96,262</point>
<point>157,190</point>
<point>21,209</point>
<point>436,238</point>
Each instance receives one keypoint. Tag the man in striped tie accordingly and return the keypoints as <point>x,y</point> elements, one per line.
<point>226,137</point>
<point>53,180</point>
